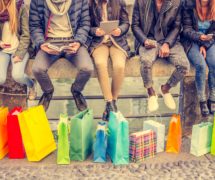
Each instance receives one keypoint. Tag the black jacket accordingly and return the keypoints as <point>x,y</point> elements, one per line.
<point>190,27</point>
<point>170,21</point>
<point>123,25</point>
<point>40,17</point>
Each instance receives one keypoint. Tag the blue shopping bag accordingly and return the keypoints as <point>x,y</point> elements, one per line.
<point>118,139</point>
<point>100,145</point>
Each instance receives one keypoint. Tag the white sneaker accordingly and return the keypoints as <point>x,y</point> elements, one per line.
<point>168,100</point>
<point>153,103</point>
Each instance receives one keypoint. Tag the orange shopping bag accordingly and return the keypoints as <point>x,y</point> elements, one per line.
<point>3,132</point>
<point>174,135</point>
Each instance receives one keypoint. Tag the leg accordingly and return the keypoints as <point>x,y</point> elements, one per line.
<point>118,61</point>
<point>179,59</point>
<point>18,72</point>
<point>83,62</point>
<point>4,63</point>
<point>147,57</point>
<point>210,59</point>
<point>101,57</point>
<point>40,67</point>
<point>198,61</point>
<point>43,62</point>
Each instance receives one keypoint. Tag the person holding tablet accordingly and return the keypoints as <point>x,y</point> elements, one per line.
<point>111,45</point>
<point>14,43</point>
<point>199,43</point>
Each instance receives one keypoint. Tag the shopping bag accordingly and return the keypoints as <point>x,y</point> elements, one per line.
<point>15,144</point>
<point>213,140</point>
<point>159,129</point>
<point>3,132</point>
<point>100,145</point>
<point>36,133</point>
<point>174,135</point>
<point>142,145</point>
<point>201,138</point>
<point>63,140</point>
<point>118,139</point>
<point>81,135</point>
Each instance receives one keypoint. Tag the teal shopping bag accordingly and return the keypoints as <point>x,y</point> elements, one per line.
<point>63,140</point>
<point>201,138</point>
<point>159,129</point>
<point>81,135</point>
<point>118,139</point>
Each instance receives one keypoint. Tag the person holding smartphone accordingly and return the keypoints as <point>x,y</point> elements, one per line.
<point>14,43</point>
<point>198,40</point>
<point>111,46</point>
<point>156,25</point>
<point>54,24</point>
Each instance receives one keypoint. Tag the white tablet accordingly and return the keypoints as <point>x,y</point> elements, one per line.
<point>109,26</point>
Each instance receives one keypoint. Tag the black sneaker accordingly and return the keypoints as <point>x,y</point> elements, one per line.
<point>204,109</point>
<point>79,100</point>
<point>45,100</point>
<point>108,109</point>
<point>115,108</point>
<point>211,106</point>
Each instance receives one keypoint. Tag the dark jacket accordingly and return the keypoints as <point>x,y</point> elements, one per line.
<point>190,27</point>
<point>123,25</point>
<point>22,33</point>
<point>40,21</point>
<point>170,21</point>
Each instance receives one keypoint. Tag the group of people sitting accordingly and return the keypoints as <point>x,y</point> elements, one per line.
<point>179,31</point>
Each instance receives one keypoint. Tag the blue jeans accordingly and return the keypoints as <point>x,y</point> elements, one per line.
<point>18,69</point>
<point>200,64</point>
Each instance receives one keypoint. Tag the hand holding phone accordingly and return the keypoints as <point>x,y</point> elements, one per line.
<point>210,36</point>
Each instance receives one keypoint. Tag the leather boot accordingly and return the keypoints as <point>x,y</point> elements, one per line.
<point>79,99</point>
<point>45,100</point>
<point>204,109</point>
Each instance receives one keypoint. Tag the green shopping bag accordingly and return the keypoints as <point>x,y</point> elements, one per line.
<point>81,135</point>
<point>213,140</point>
<point>63,141</point>
<point>118,139</point>
<point>201,139</point>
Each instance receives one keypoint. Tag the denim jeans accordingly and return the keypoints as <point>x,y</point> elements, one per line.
<point>44,61</point>
<point>177,57</point>
<point>18,69</point>
<point>200,64</point>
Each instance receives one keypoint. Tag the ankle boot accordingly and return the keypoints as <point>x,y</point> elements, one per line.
<point>211,106</point>
<point>204,109</point>
<point>45,100</point>
<point>80,101</point>
<point>108,109</point>
<point>115,109</point>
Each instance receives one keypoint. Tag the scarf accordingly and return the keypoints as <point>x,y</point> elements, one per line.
<point>59,7</point>
<point>5,15</point>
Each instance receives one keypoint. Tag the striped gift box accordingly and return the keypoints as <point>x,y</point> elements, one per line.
<point>142,145</point>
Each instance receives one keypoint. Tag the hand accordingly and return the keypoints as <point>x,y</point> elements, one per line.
<point>204,37</point>
<point>116,32</point>
<point>73,48</point>
<point>203,51</point>
<point>16,59</point>
<point>149,45</point>
<point>48,50</point>
<point>164,51</point>
<point>100,32</point>
<point>4,46</point>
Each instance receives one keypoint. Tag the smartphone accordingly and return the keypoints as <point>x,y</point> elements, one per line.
<point>210,35</point>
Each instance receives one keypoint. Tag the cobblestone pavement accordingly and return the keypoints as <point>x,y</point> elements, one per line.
<point>165,166</point>
<point>202,170</point>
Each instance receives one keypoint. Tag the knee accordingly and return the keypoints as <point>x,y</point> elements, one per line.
<point>183,66</point>
<point>87,69</point>
<point>38,70</point>
<point>201,67</point>
<point>18,76</point>
<point>146,62</point>
<point>119,67</point>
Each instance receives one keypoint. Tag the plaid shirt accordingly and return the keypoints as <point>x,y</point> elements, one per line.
<point>142,145</point>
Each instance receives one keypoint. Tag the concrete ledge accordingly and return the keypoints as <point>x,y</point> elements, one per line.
<point>64,69</point>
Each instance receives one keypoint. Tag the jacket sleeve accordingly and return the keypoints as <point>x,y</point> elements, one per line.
<point>188,27</point>
<point>24,40</point>
<point>124,20</point>
<point>175,30</point>
<point>35,25</point>
<point>84,24</point>
<point>136,29</point>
